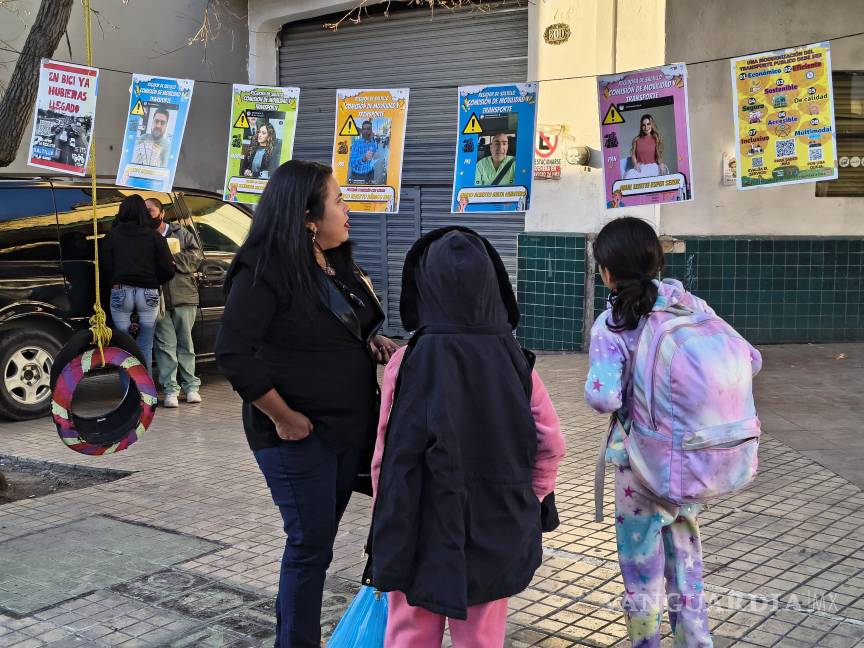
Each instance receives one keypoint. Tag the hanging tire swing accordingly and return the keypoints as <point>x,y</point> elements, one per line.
<point>88,351</point>
<point>122,426</point>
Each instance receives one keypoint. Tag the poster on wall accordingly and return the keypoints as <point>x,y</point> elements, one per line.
<point>730,169</point>
<point>784,116</point>
<point>495,148</point>
<point>64,117</point>
<point>368,146</point>
<point>260,138</point>
<point>645,137</point>
<point>548,148</point>
<point>158,108</point>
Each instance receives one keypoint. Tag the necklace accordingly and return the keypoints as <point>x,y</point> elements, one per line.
<point>346,290</point>
<point>330,271</point>
<point>322,260</point>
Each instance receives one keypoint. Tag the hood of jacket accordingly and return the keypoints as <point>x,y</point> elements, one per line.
<point>461,273</point>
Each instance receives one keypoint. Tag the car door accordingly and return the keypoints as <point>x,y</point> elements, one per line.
<point>221,228</point>
<point>33,300</point>
<point>29,249</point>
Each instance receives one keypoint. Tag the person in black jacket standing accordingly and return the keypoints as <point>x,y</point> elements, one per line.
<point>298,343</point>
<point>138,261</point>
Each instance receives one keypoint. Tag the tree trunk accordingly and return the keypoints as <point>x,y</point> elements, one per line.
<point>16,106</point>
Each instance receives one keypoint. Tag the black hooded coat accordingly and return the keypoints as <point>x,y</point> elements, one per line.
<point>456,521</point>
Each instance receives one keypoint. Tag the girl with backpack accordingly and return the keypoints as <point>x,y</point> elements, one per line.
<point>468,447</point>
<point>684,430</point>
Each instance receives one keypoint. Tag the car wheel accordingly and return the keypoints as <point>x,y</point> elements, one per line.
<point>26,357</point>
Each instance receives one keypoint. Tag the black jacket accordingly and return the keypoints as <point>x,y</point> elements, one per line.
<point>138,256</point>
<point>315,355</point>
<point>456,521</point>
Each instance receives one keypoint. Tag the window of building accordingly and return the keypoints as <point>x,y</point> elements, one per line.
<point>849,120</point>
<point>222,227</point>
<point>28,226</point>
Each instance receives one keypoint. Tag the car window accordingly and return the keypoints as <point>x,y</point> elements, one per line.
<point>221,226</point>
<point>28,227</point>
<point>75,215</point>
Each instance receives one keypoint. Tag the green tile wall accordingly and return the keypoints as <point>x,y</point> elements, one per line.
<point>550,290</point>
<point>775,290</point>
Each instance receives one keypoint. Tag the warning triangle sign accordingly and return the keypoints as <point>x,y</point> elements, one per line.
<point>350,127</point>
<point>473,126</point>
<point>138,109</point>
<point>612,116</point>
<point>242,121</point>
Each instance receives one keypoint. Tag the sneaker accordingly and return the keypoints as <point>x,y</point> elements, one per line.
<point>170,401</point>
<point>193,397</point>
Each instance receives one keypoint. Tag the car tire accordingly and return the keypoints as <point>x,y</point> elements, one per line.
<point>26,358</point>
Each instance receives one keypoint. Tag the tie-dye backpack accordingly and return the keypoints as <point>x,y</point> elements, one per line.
<point>694,433</point>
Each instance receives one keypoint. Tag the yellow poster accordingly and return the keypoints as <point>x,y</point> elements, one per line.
<point>784,117</point>
<point>367,150</point>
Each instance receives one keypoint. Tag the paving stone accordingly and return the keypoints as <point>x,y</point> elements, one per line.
<point>798,531</point>
<point>112,544</point>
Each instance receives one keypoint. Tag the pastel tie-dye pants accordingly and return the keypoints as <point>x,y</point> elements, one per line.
<point>659,541</point>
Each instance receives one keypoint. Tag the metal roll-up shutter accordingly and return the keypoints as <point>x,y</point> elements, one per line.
<point>431,55</point>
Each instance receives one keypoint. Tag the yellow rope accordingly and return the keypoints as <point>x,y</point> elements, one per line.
<point>98,322</point>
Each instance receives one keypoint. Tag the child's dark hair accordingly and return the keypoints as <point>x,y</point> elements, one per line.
<point>631,252</point>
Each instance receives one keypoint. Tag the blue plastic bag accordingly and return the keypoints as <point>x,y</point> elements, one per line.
<point>364,622</point>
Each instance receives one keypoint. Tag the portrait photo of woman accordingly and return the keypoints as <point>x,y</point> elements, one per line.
<point>646,151</point>
<point>262,156</point>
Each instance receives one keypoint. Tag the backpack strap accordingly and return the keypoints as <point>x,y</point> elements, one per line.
<point>600,467</point>
<point>677,309</point>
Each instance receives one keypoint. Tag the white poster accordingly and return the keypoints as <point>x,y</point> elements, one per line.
<point>65,113</point>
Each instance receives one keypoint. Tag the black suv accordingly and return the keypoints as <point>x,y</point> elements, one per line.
<point>46,272</point>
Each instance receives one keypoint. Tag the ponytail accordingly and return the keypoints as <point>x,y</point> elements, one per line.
<point>630,250</point>
<point>632,300</point>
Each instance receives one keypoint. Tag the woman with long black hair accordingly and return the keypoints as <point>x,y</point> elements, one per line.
<point>298,343</point>
<point>138,261</point>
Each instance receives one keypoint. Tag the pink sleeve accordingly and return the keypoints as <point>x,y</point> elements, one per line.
<point>550,440</point>
<point>388,386</point>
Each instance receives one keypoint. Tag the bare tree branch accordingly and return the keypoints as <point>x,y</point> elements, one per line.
<point>361,10</point>
<point>102,21</point>
<point>210,27</point>
<point>17,102</point>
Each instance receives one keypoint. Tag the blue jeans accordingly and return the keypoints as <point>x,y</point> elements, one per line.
<point>175,353</point>
<point>310,481</point>
<point>127,299</point>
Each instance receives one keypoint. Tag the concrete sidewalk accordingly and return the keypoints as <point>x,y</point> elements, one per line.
<point>185,550</point>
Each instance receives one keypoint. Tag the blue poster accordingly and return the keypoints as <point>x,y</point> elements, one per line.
<point>495,148</point>
<point>154,131</point>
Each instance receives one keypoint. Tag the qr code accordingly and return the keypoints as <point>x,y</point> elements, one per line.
<point>785,148</point>
<point>816,154</point>
<point>758,162</point>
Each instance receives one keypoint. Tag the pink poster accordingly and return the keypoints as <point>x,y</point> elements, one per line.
<point>645,137</point>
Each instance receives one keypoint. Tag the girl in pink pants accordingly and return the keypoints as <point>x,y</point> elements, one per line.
<point>455,530</point>
<point>415,627</point>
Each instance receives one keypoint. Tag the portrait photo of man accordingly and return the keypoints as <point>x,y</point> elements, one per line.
<point>497,167</point>
<point>361,161</point>
<point>153,148</point>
